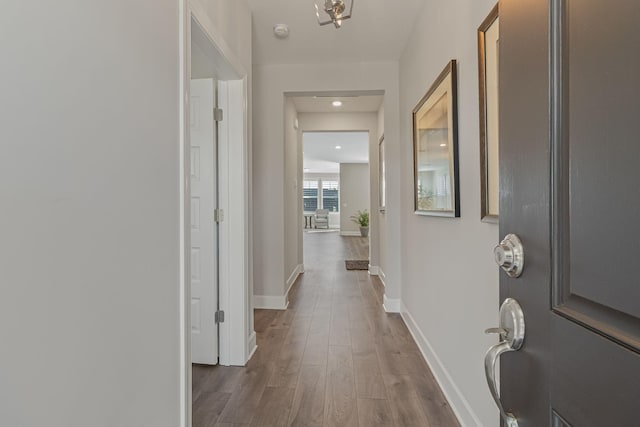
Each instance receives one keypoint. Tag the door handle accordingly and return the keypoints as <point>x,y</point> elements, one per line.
<point>511,333</point>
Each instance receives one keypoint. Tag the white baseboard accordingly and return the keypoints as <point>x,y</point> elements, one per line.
<point>251,344</point>
<point>382,277</point>
<point>373,270</point>
<point>460,406</point>
<point>269,302</point>
<point>391,305</point>
<point>350,233</point>
<point>293,277</point>
<point>280,302</point>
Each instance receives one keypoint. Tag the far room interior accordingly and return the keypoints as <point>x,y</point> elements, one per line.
<point>335,180</point>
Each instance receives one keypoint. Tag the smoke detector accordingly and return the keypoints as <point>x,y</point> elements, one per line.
<point>281,31</point>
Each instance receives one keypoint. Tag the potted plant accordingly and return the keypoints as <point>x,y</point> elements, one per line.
<point>362,219</point>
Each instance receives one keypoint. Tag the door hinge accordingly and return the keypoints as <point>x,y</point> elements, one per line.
<point>219,316</point>
<point>217,114</point>
<point>218,215</point>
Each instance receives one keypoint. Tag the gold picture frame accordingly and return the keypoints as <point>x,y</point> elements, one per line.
<point>382,176</point>
<point>488,56</point>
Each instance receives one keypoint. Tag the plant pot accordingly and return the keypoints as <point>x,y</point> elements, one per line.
<point>364,231</point>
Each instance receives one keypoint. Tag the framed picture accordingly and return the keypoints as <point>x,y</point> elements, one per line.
<point>435,148</point>
<point>382,184</point>
<point>488,44</point>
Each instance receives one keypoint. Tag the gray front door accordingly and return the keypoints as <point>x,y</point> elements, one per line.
<point>570,189</point>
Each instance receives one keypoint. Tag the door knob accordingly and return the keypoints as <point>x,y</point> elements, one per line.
<point>511,333</point>
<point>509,255</point>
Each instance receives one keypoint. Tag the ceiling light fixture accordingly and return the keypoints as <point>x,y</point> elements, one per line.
<point>337,103</point>
<point>338,147</point>
<point>443,145</point>
<point>335,9</point>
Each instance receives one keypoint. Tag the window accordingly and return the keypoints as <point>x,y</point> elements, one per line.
<point>330,196</point>
<point>319,194</point>
<point>310,195</point>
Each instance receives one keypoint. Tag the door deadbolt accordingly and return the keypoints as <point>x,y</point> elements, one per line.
<point>509,255</point>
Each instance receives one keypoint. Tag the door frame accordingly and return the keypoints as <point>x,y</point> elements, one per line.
<point>237,337</point>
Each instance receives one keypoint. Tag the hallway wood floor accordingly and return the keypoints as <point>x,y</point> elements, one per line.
<point>333,358</point>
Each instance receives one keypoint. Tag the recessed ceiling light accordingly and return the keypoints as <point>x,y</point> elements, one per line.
<point>443,145</point>
<point>337,103</point>
<point>338,147</point>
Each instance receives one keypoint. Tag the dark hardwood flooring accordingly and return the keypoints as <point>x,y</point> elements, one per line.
<point>333,358</point>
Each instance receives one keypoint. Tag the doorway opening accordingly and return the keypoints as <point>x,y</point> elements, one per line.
<point>217,318</point>
<point>331,157</point>
<point>335,180</point>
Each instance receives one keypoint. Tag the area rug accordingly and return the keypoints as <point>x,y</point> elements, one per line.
<point>357,264</point>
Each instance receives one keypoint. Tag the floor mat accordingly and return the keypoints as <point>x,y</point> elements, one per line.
<point>357,264</point>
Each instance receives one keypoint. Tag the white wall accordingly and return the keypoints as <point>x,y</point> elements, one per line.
<point>448,263</point>
<point>89,179</point>
<point>354,194</point>
<point>232,21</point>
<point>89,176</point>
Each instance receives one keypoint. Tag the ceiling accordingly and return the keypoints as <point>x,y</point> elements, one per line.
<point>350,104</point>
<point>378,30</point>
<point>321,156</point>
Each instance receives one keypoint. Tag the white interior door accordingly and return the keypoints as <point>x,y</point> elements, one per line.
<point>204,256</point>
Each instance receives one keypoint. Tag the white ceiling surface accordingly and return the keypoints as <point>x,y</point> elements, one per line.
<point>321,156</point>
<point>377,31</point>
<point>350,104</point>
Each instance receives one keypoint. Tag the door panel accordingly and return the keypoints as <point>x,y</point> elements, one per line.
<point>569,99</point>
<point>594,107</point>
<point>594,382</point>
<point>204,286</point>
<point>524,199</point>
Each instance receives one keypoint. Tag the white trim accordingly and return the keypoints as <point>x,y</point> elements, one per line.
<point>234,229</point>
<point>460,406</point>
<point>230,66</point>
<point>270,302</point>
<point>293,277</point>
<point>391,305</point>
<point>184,158</point>
<point>251,344</point>
<point>350,233</point>
<point>373,270</point>
<point>382,276</point>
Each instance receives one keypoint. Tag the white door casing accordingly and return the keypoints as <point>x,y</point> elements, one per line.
<point>204,286</point>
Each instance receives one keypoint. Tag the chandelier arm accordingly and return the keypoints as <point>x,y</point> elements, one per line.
<point>337,21</point>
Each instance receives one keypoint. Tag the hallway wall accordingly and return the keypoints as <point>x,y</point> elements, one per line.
<point>89,178</point>
<point>447,263</point>
<point>354,194</point>
<point>90,183</point>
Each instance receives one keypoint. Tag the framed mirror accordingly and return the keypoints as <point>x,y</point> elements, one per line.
<point>435,148</point>
<point>488,48</point>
